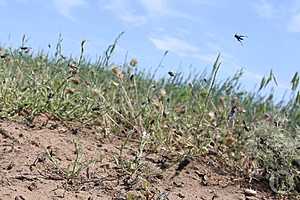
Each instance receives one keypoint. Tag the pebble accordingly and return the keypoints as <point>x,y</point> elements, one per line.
<point>242,197</point>
<point>250,192</point>
<point>251,198</point>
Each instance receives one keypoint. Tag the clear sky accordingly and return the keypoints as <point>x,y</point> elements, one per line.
<point>194,31</point>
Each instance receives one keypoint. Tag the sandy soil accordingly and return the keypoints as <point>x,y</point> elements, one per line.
<point>27,172</point>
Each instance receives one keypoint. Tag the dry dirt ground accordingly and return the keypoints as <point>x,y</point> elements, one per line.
<point>28,172</point>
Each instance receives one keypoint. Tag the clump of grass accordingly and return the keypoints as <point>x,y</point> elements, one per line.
<point>49,166</point>
<point>184,116</point>
<point>274,150</point>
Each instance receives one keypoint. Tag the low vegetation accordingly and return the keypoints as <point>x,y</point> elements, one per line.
<point>248,132</point>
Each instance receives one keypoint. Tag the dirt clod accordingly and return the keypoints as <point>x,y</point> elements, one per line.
<point>19,198</point>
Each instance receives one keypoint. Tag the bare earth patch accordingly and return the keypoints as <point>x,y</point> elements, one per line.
<point>38,163</point>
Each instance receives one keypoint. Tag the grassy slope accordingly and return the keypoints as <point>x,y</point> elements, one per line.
<point>249,133</point>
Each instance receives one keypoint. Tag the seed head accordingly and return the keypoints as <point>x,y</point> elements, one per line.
<point>180,109</point>
<point>75,81</point>
<point>230,140</point>
<point>69,91</point>
<point>133,62</point>
<point>162,93</point>
<point>212,116</point>
<point>96,92</point>
<point>72,66</point>
<point>118,73</point>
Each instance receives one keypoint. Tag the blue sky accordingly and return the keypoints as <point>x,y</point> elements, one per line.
<point>194,31</point>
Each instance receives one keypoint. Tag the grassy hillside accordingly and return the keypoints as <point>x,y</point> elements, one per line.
<point>247,132</point>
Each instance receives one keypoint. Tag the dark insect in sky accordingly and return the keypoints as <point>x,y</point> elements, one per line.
<point>240,38</point>
<point>172,74</point>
